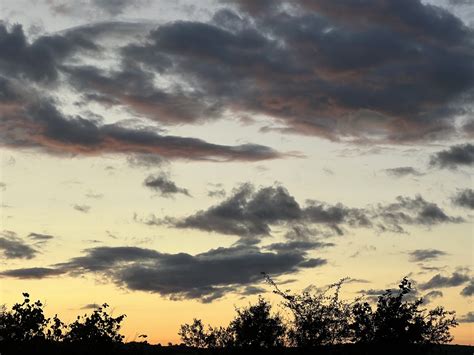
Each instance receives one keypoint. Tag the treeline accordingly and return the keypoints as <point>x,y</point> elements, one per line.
<point>322,318</point>
<point>318,319</point>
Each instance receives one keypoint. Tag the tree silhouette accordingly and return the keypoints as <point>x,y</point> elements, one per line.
<point>97,328</point>
<point>194,335</point>
<point>319,318</point>
<point>255,326</point>
<point>25,322</point>
<point>399,321</point>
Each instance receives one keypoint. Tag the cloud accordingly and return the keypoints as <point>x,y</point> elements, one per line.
<point>32,122</point>
<point>91,306</point>
<point>297,245</point>
<point>262,61</point>
<point>93,7</point>
<point>38,61</point>
<point>205,276</point>
<point>430,296</point>
<point>221,193</point>
<point>247,59</point>
<point>425,254</point>
<point>40,237</point>
<point>461,155</point>
<point>411,211</point>
<point>314,262</point>
<point>251,212</point>
<point>460,2</point>
<point>32,273</point>
<point>145,161</point>
<point>464,198</point>
<point>82,208</point>
<point>403,171</point>
<point>439,281</point>
<point>12,247</point>
<point>246,213</point>
<point>467,318</point>
<point>162,184</point>
<point>468,291</point>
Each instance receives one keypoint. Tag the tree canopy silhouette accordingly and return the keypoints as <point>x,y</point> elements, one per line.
<point>98,328</point>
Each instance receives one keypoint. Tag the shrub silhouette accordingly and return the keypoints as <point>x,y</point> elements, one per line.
<point>97,328</point>
<point>399,321</point>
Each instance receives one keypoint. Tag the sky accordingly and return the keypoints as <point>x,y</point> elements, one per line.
<point>159,155</point>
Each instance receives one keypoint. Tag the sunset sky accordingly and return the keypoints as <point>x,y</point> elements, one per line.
<point>159,155</point>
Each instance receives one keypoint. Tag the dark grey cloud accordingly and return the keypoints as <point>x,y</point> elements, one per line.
<point>432,295</point>
<point>468,291</point>
<point>314,66</point>
<point>411,211</point>
<point>314,262</point>
<point>221,193</point>
<point>251,213</point>
<point>253,290</point>
<point>246,213</point>
<point>146,161</point>
<point>467,318</point>
<point>115,7</point>
<point>403,171</point>
<point>82,208</point>
<point>91,306</point>
<point>263,61</point>
<point>440,281</point>
<point>461,2</point>
<point>205,276</point>
<point>162,184</point>
<point>425,254</point>
<point>32,273</point>
<point>297,245</point>
<point>12,247</point>
<point>40,237</point>
<point>38,61</point>
<point>461,155</point>
<point>464,198</point>
<point>93,7</point>
<point>36,123</point>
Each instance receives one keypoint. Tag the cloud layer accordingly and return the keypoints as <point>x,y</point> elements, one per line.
<point>205,276</point>
<point>251,213</point>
